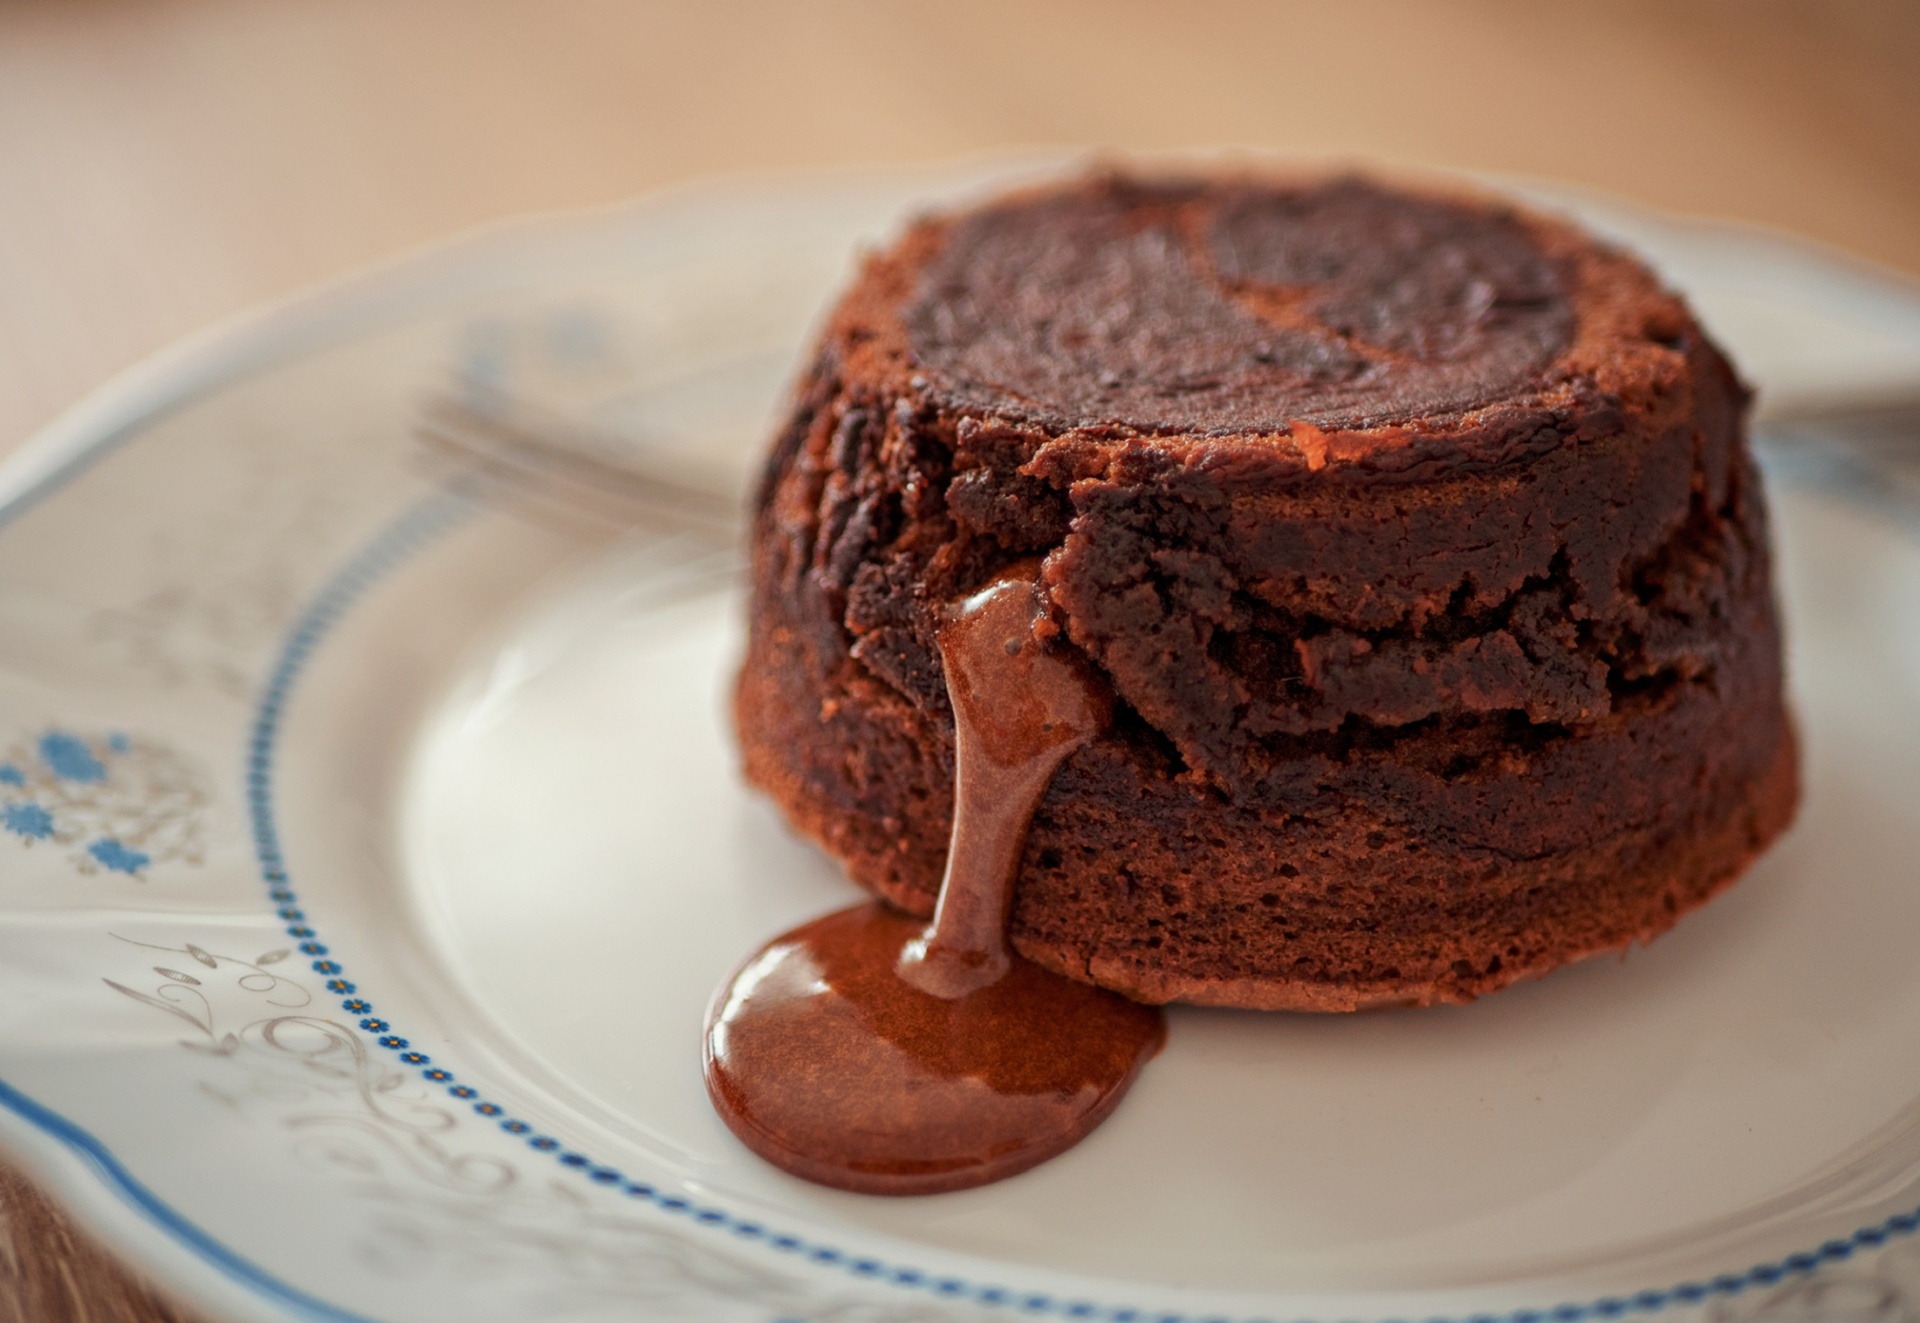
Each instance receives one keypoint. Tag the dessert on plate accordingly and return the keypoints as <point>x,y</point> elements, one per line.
<point>1417,539</point>
<point>1277,593</point>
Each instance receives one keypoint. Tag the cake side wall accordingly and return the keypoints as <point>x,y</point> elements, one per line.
<point>1436,864</point>
<point>1167,890</point>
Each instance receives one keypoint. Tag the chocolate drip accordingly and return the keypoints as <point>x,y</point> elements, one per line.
<point>869,1052</point>
<point>1019,711</point>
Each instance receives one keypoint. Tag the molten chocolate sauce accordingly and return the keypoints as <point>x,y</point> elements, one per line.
<point>869,1051</point>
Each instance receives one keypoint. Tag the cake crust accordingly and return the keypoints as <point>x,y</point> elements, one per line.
<point>1415,535</point>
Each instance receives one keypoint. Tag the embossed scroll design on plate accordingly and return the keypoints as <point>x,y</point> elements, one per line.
<point>438,1203</point>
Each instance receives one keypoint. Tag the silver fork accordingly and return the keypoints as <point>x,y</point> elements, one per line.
<point>1868,453</point>
<point>554,468</point>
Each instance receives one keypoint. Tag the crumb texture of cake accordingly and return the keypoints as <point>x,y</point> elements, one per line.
<point>1416,537</point>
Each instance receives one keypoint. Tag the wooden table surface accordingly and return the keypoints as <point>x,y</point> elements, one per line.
<point>166,163</point>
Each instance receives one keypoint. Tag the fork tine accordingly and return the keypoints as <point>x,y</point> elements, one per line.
<point>558,466</point>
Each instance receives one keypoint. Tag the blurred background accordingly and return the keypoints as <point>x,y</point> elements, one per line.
<point>165,163</point>
<point>168,163</point>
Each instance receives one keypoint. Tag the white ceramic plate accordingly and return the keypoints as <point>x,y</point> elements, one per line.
<point>368,853</point>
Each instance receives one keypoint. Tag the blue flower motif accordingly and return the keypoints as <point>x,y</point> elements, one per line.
<point>70,789</point>
<point>28,820</point>
<point>69,757</point>
<point>118,857</point>
<point>340,985</point>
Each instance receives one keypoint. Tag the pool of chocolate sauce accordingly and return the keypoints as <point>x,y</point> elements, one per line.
<point>871,1051</point>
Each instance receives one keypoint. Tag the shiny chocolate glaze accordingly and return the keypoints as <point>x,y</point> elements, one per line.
<point>873,1052</point>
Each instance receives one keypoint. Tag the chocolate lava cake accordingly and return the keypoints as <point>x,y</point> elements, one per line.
<point>1417,539</point>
